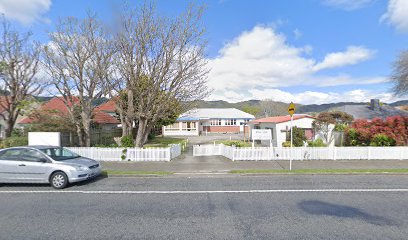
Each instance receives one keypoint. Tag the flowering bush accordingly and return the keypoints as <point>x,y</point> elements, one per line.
<point>390,132</point>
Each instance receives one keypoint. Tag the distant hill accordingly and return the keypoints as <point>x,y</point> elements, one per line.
<point>279,108</point>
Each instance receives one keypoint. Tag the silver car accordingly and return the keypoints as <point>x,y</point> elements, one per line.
<point>45,164</point>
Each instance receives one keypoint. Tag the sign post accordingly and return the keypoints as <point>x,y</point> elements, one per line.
<point>291,111</point>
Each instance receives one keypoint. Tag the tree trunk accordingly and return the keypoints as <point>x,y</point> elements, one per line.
<point>87,132</point>
<point>142,133</point>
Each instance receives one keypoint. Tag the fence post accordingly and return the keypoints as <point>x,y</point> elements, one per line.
<point>334,153</point>
<point>168,154</point>
<point>233,153</point>
<point>368,153</point>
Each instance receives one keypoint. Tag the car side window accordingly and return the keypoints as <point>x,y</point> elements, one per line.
<point>11,154</point>
<point>31,155</point>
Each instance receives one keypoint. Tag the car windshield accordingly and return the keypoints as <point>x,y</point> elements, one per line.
<point>59,153</point>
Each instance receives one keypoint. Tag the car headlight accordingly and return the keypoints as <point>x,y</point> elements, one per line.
<point>81,168</point>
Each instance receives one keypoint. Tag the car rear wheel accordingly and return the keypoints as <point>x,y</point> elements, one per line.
<point>59,180</point>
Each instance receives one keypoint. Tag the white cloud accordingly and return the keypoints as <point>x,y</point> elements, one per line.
<point>353,55</point>
<point>347,4</point>
<point>25,11</point>
<point>308,97</point>
<point>397,14</point>
<point>261,58</point>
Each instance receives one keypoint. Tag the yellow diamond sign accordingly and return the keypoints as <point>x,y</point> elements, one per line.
<point>291,109</point>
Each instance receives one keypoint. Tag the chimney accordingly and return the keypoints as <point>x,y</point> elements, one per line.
<point>375,104</point>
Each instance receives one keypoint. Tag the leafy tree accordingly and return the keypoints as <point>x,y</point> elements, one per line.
<point>299,137</point>
<point>326,122</point>
<point>251,109</point>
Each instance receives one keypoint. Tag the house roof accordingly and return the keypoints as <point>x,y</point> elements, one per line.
<point>109,106</point>
<point>279,119</point>
<point>101,117</point>
<point>215,113</point>
<point>57,104</point>
<point>366,112</point>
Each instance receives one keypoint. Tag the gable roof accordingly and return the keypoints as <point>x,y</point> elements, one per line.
<point>215,113</point>
<point>280,119</point>
<point>109,106</point>
<point>58,108</point>
<point>101,117</point>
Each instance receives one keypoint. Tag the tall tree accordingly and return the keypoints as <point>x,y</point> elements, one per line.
<point>400,74</point>
<point>326,122</point>
<point>161,63</point>
<point>78,59</point>
<point>19,67</point>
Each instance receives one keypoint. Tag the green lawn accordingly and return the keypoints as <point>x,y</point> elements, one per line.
<point>160,142</point>
<point>237,143</point>
<point>323,171</point>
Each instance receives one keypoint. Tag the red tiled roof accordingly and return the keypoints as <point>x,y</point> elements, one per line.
<point>56,105</point>
<point>109,106</point>
<point>279,119</point>
<point>101,117</point>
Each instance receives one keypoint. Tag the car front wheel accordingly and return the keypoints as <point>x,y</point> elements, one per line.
<point>59,180</point>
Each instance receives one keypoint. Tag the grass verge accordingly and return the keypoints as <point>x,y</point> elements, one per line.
<point>164,142</point>
<point>322,171</point>
<point>118,172</point>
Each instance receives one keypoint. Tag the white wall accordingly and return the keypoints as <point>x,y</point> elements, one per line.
<point>44,138</point>
<point>181,132</point>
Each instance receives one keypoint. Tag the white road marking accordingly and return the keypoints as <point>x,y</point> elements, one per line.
<point>206,192</point>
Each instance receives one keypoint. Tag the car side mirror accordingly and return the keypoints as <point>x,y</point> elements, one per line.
<point>43,160</point>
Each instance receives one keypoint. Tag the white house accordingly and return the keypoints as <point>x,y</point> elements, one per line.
<point>280,127</point>
<point>209,120</point>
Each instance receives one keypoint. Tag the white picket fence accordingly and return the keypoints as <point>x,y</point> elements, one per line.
<point>302,153</point>
<point>130,154</point>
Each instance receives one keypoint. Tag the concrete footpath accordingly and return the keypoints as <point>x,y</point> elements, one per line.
<point>186,163</point>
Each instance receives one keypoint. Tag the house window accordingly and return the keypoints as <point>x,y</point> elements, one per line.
<point>231,122</point>
<point>215,122</point>
<point>189,126</point>
<point>173,127</point>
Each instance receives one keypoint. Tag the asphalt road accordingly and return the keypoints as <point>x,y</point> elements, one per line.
<point>210,207</point>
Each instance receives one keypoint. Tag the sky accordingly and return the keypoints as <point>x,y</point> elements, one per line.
<point>305,51</point>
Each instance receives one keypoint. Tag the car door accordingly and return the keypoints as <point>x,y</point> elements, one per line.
<point>34,166</point>
<point>9,165</point>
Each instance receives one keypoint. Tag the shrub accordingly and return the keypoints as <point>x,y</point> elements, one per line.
<point>286,144</point>
<point>299,137</point>
<point>382,140</point>
<point>235,143</point>
<point>14,142</point>
<point>316,143</point>
<point>127,141</point>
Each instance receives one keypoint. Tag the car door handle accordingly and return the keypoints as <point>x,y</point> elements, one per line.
<point>21,165</point>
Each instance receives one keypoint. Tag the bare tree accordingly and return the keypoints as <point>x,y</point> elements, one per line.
<point>78,59</point>
<point>162,64</point>
<point>19,58</point>
<point>400,74</point>
<point>271,108</point>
